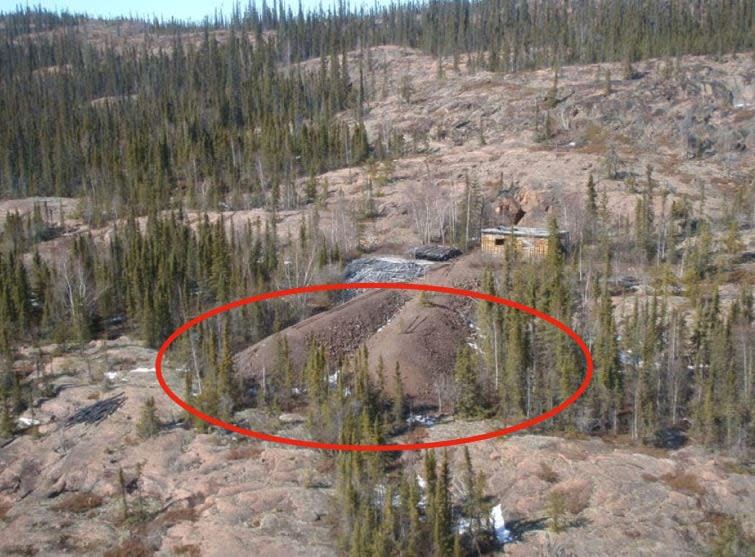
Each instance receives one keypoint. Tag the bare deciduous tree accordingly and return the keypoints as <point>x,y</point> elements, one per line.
<point>430,211</point>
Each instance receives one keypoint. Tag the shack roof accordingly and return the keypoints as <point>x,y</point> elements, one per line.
<point>520,231</point>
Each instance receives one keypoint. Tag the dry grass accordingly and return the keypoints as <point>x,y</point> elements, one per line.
<point>326,466</point>
<point>572,496</point>
<point>626,442</point>
<point>244,452</point>
<point>4,508</point>
<point>669,166</point>
<point>730,467</point>
<point>743,116</point>
<point>685,482</point>
<point>132,547</point>
<point>547,474</point>
<point>79,503</point>
<point>20,550</point>
<point>190,550</point>
<point>417,435</point>
<point>174,516</point>
<point>572,435</point>
<point>632,534</point>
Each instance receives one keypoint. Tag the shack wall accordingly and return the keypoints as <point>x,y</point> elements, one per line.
<point>495,244</point>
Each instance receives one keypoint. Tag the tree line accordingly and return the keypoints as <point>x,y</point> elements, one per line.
<point>237,122</point>
<point>146,277</point>
<point>672,357</point>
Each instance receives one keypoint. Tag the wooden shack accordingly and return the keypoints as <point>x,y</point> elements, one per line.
<point>528,242</point>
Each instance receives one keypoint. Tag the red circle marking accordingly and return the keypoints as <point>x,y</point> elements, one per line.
<point>371,448</point>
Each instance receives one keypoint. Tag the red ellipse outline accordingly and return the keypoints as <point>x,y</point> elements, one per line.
<point>376,448</point>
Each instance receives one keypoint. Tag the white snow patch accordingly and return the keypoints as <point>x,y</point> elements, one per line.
<point>333,378</point>
<point>386,324</point>
<point>462,525</point>
<point>114,376</point>
<point>499,525</point>
<point>421,419</point>
<point>423,495</point>
<point>502,535</point>
<point>143,370</point>
<point>473,346</point>
<point>396,259</point>
<point>23,420</point>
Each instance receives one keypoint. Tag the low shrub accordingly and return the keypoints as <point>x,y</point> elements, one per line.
<point>685,482</point>
<point>79,503</point>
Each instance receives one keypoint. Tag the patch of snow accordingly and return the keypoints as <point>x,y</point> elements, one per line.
<point>386,324</point>
<point>114,376</point>
<point>502,535</point>
<point>24,421</point>
<point>333,378</point>
<point>499,525</point>
<point>423,495</point>
<point>396,259</point>
<point>473,346</point>
<point>296,391</point>
<point>421,419</point>
<point>143,370</point>
<point>462,525</point>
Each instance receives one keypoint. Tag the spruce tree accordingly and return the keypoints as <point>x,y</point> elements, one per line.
<point>398,405</point>
<point>592,200</point>
<point>469,394</point>
<point>442,525</point>
<point>606,354</point>
<point>149,424</point>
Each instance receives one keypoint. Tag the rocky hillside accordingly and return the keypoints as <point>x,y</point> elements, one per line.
<point>78,478</point>
<point>211,493</point>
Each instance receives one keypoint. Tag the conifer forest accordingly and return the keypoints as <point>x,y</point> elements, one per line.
<point>589,159</point>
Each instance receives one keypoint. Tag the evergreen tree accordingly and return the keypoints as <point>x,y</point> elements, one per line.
<point>592,200</point>
<point>398,405</point>
<point>442,525</point>
<point>469,394</point>
<point>606,354</point>
<point>225,377</point>
<point>148,424</point>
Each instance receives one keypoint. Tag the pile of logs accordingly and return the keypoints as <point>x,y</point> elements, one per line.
<point>95,413</point>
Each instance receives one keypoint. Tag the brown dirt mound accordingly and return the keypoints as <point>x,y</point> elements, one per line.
<point>341,330</point>
<point>421,333</point>
<point>423,337</point>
